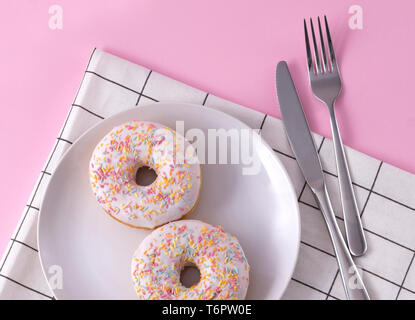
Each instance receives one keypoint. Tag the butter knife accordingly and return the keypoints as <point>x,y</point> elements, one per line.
<point>305,151</point>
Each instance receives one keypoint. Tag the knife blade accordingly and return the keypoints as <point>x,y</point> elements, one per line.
<point>297,129</point>
<point>306,154</point>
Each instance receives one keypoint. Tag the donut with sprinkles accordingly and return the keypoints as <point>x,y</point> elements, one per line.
<point>161,256</point>
<point>126,148</point>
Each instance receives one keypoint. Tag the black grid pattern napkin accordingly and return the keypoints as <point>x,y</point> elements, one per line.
<point>384,193</point>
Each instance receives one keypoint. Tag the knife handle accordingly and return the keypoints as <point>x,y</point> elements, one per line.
<point>352,280</point>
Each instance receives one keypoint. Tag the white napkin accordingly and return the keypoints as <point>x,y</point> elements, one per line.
<point>384,193</point>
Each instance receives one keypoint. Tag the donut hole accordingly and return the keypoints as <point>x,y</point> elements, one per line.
<point>145,176</point>
<point>190,275</point>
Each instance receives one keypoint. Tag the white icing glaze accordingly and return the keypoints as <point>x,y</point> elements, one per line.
<point>159,259</point>
<point>114,164</point>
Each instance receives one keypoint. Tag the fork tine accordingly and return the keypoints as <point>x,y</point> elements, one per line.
<point>307,46</point>
<point>323,48</point>
<point>316,55</point>
<point>330,46</point>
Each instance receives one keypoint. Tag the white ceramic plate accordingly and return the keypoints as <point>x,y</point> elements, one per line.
<point>94,251</point>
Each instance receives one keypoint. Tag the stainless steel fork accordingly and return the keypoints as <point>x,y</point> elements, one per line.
<point>325,83</point>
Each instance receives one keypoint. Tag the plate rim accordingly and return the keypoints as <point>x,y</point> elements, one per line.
<point>195,106</point>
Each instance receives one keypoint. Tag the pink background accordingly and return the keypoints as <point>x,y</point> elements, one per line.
<point>229,48</point>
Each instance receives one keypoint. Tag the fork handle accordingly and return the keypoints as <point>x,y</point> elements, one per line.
<point>352,280</point>
<point>353,224</point>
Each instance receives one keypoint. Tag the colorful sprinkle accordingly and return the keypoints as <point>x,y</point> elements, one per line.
<point>114,164</point>
<point>224,270</point>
